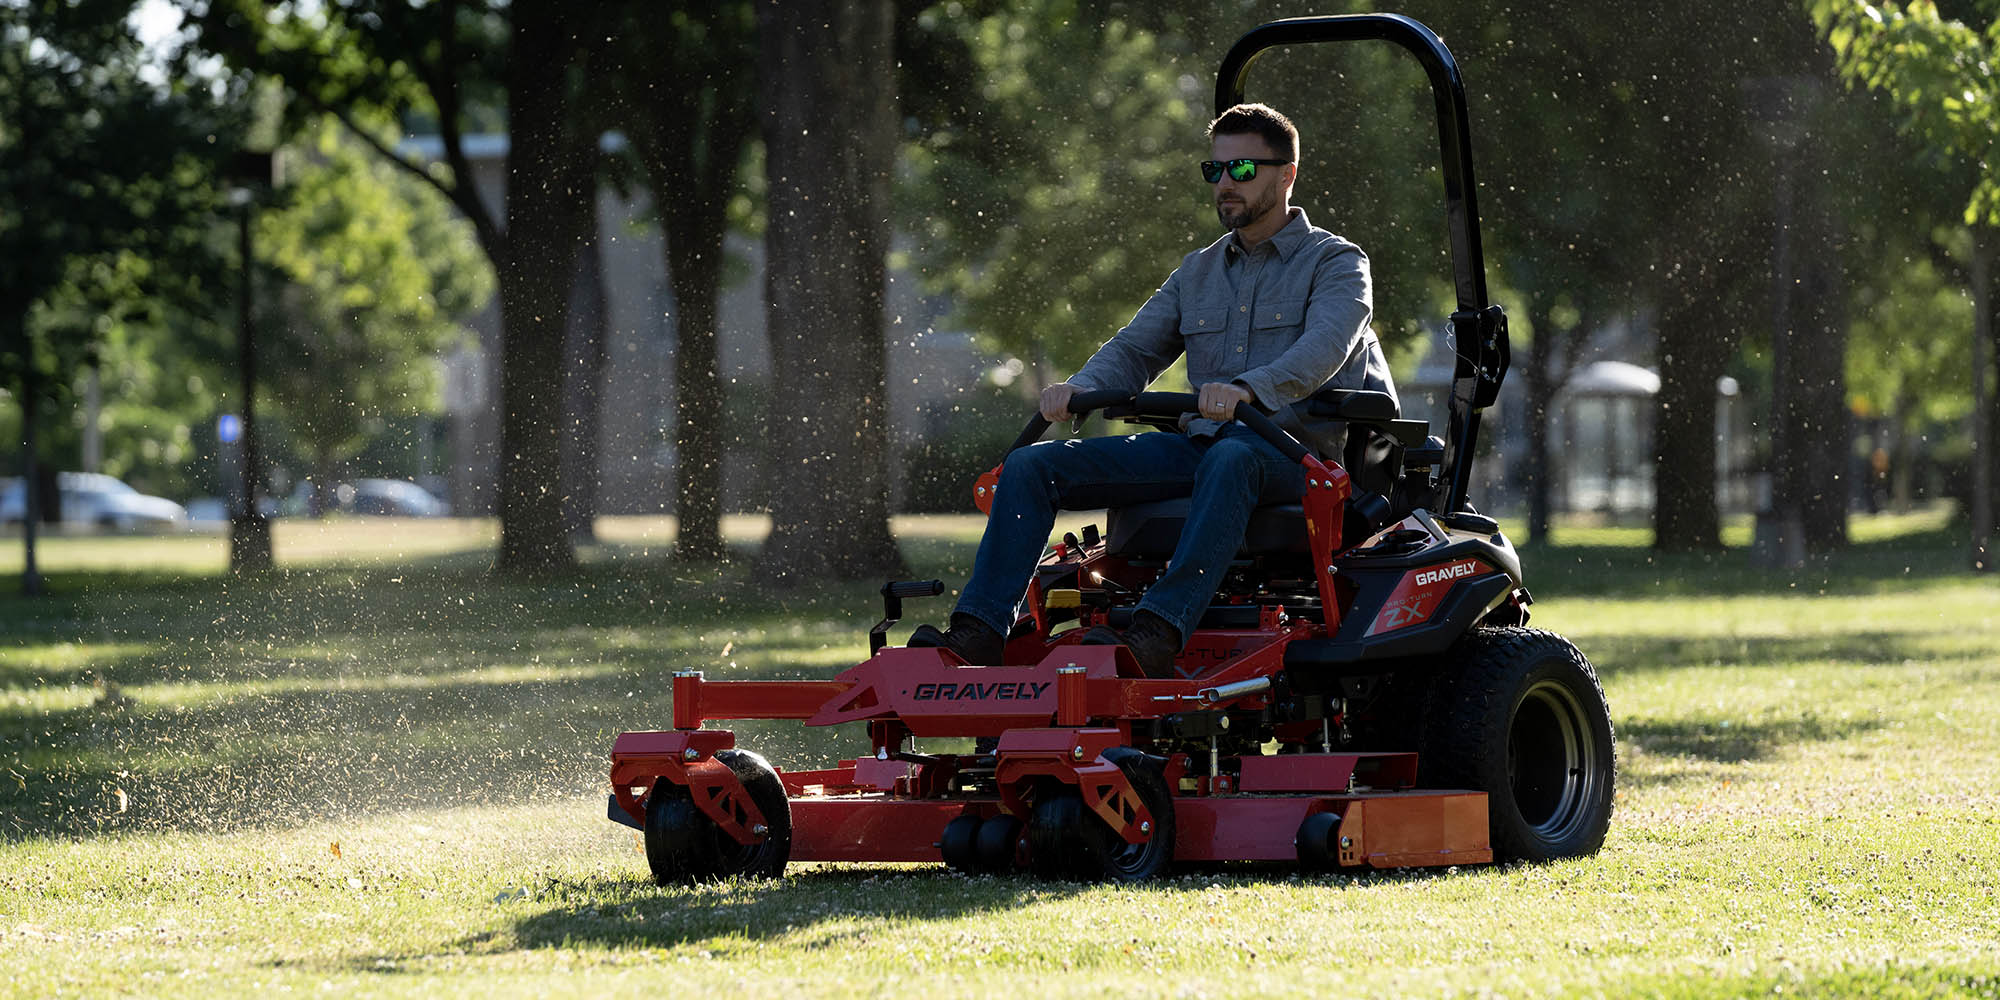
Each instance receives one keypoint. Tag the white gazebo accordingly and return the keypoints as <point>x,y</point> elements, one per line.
<point>1603,436</point>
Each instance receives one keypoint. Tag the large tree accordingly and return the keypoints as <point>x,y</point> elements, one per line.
<point>1637,188</point>
<point>686,97</point>
<point>368,61</point>
<point>1937,65</point>
<point>105,190</point>
<point>374,277</point>
<point>829,128</point>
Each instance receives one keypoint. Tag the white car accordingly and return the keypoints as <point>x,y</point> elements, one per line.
<point>390,497</point>
<point>95,500</point>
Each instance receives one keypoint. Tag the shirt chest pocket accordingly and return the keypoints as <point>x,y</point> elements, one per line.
<point>1202,336</point>
<point>1274,326</point>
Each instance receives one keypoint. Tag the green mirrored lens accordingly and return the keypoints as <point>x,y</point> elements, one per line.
<point>1242,170</point>
<point>1211,170</point>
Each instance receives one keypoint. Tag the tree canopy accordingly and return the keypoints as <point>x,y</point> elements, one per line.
<point>376,275</point>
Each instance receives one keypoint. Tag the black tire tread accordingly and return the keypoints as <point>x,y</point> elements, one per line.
<point>683,846</point>
<point>1068,841</point>
<point>1469,695</point>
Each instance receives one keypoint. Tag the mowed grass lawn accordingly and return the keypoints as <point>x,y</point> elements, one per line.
<point>379,773</point>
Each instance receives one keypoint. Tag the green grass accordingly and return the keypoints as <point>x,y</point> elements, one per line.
<point>379,772</point>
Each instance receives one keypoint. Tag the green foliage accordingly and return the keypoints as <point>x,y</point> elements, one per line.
<point>106,164</point>
<point>377,276</point>
<point>1940,72</point>
<point>1904,356</point>
<point>1057,193</point>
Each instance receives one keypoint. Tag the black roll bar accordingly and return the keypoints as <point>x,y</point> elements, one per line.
<point>1479,328</point>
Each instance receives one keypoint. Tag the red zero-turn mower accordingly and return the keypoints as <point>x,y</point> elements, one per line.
<point>1362,692</point>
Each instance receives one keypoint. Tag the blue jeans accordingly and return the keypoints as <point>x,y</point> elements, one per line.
<point>1227,475</point>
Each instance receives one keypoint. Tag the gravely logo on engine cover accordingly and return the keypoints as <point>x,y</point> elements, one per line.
<point>1005,690</point>
<point>1419,593</point>
<point>1468,567</point>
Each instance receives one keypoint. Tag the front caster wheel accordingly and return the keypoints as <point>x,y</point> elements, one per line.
<point>1316,841</point>
<point>685,846</point>
<point>998,843</point>
<point>1067,840</point>
<point>958,845</point>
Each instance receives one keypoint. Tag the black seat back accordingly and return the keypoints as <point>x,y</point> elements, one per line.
<point>1152,530</point>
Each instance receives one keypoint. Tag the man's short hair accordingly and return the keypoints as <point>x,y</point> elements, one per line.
<point>1261,120</point>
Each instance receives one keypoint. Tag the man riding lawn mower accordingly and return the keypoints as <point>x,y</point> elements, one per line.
<point>1265,654</point>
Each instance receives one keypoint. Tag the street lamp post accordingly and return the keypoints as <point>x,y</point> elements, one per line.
<point>249,529</point>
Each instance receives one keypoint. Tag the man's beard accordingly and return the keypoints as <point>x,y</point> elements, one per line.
<point>1238,217</point>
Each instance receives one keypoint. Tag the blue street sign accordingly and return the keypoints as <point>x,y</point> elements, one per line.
<point>229,427</point>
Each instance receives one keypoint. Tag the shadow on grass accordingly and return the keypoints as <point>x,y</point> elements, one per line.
<point>308,695</point>
<point>622,914</point>
<point>1632,654</point>
<point>319,753</point>
<point>1861,568</point>
<point>804,907</point>
<point>1736,741</point>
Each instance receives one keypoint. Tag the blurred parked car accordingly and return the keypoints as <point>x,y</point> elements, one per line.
<point>393,498</point>
<point>208,511</point>
<point>92,499</point>
<point>379,497</point>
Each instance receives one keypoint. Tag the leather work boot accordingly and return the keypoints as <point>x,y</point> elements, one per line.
<point>1153,640</point>
<point>972,639</point>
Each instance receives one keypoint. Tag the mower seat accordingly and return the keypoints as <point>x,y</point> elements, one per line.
<point>1372,457</point>
<point>1152,530</point>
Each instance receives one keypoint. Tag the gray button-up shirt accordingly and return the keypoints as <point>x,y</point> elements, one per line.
<point>1284,319</point>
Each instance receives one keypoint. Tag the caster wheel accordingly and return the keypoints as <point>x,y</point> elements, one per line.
<point>684,846</point>
<point>1318,851</point>
<point>1066,840</point>
<point>998,843</point>
<point>959,845</point>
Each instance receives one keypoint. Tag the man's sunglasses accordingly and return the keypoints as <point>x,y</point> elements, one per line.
<point>1238,170</point>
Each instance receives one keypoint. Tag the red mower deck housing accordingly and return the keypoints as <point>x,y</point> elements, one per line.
<point>1055,719</point>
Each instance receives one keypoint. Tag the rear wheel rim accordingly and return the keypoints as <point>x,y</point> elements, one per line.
<point>1553,769</point>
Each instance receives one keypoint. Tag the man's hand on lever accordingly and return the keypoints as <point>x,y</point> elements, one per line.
<point>1055,402</point>
<point>1218,400</point>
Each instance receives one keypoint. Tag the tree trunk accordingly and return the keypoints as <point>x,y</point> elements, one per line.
<point>30,401</point>
<point>545,220</point>
<point>1818,328</point>
<point>1540,399</point>
<point>584,382</point>
<point>1684,514</point>
<point>1985,415</point>
<point>698,401</point>
<point>249,530</point>
<point>698,111</point>
<point>829,131</point>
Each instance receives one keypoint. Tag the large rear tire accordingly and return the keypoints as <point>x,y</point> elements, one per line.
<point>685,846</point>
<point>1520,714</point>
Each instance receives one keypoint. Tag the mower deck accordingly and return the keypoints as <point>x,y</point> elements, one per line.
<point>895,807</point>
